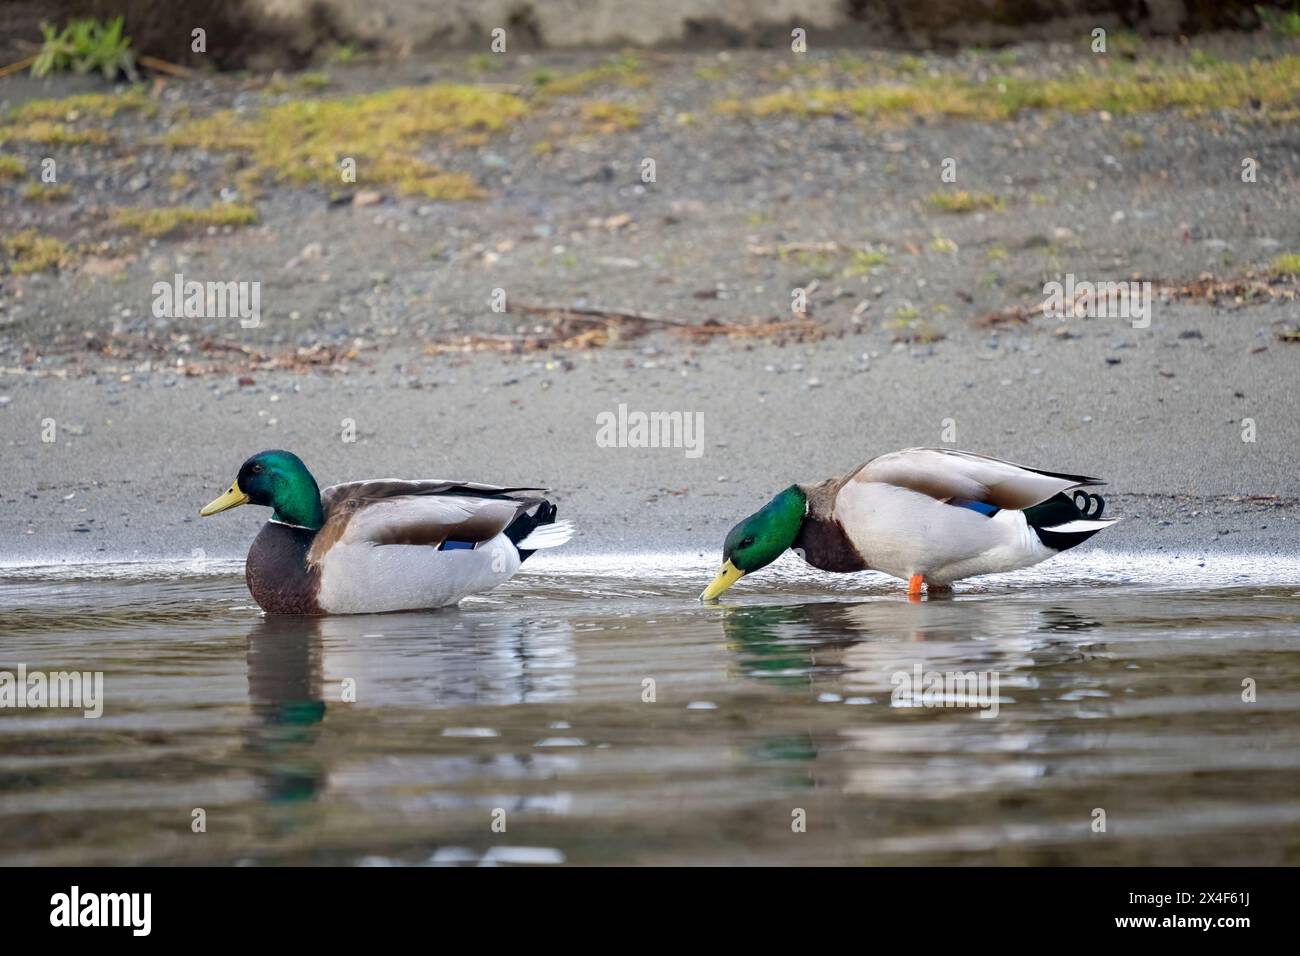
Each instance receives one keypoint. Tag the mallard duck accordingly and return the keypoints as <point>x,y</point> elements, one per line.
<point>386,544</point>
<point>929,516</point>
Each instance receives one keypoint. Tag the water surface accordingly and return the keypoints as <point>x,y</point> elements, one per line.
<point>773,735</point>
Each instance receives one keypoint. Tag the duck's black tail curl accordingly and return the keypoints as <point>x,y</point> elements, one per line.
<point>526,524</point>
<point>1089,505</point>
<point>1066,520</point>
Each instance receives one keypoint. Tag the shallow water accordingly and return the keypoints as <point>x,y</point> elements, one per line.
<point>1120,685</point>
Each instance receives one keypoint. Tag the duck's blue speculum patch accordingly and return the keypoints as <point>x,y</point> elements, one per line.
<point>984,508</point>
<point>450,545</point>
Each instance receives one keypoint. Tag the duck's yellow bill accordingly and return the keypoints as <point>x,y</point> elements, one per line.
<point>728,576</point>
<point>231,499</point>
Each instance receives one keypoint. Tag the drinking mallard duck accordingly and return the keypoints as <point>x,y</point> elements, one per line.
<point>385,544</point>
<point>929,516</point>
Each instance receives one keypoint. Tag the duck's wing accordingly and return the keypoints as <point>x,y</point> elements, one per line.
<point>389,511</point>
<point>946,474</point>
<point>332,496</point>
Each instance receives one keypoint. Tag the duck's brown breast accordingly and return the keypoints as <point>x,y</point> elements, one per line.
<point>822,541</point>
<point>277,572</point>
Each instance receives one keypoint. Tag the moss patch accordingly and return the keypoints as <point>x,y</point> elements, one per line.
<point>28,251</point>
<point>605,117</point>
<point>1286,264</point>
<point>164,221</point>
<point>1121,90</point>
<point>11,168</point>
<point>94,105</point>
<point>961,201</point>
<point>42,192</point>
<point>311,82</point>
<point>53,134</point>
<point>862,262</point>
<point>305,142</point>
<point>624,70</point>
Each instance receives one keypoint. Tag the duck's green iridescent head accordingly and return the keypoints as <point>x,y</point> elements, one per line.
<point>277,479</point>
<point>760,539</point>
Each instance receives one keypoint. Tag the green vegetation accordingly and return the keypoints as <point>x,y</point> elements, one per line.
<point>304,142</point>
<point>313,82</point>
<point>1124,42</point>
<point>155,223</point>
<point>821,265</point>
<point>712,72</point>
<point>42,192</point>
<point>862,262</point>
<point>73,108</point>
<point>624,69</point>
<point>605,117</point>
<point>1286,264</point>
<point>11,168</point>
<point>911,65</point>
<point>1119,90</point>
<point>84,46</point>
<point>309,82</point>
<point>28,251</point>
<point>1283,23</point>
<point>485,63</point>
<point>961,201</point>
<point>53,134</point>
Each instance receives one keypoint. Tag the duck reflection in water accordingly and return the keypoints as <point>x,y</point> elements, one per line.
<point>286,694</point>
<point>864,643</point>
<point>301,669</point>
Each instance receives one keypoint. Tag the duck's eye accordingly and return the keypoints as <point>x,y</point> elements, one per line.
<point>257,469</point>
<point>747,542</point>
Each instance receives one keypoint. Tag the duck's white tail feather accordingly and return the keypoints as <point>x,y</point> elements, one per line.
<point>548,536</point>
<point>1082,525</point>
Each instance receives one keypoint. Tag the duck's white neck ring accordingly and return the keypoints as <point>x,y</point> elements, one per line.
<point>286,524</point>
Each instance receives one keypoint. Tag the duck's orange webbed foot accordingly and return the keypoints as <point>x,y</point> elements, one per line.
<point>914,586</point>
